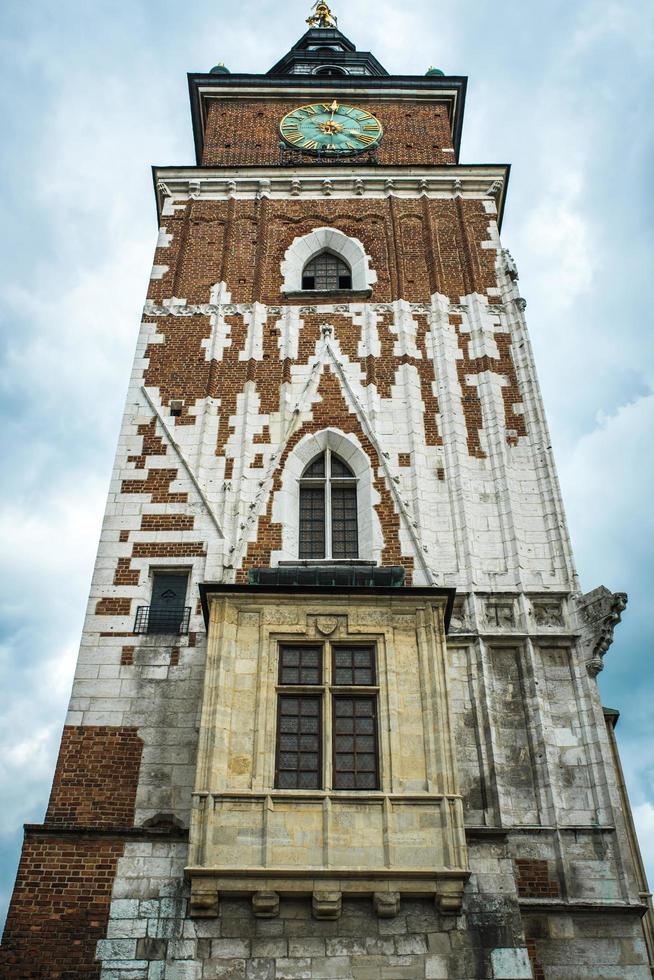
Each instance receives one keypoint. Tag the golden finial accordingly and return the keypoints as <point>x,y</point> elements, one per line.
<point>321,16</point>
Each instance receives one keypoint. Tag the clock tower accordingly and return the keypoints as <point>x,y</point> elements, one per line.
<point>335,713</point>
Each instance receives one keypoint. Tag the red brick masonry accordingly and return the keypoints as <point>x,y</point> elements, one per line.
<point>96,778</point>
<point>60,905</point>
<point>60,908</point>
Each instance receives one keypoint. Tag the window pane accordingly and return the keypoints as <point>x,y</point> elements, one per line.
<point>327,272</point>
<point>312,522</point>
<point>354,665</point>
<point>345,537</point>
<point>340,470</point>
<point>316,468</point>
<point>298,762</point>
<point>300,665</point>
<point>355,757</point>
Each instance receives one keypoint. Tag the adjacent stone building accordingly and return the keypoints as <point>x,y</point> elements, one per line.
<point>335,713</point>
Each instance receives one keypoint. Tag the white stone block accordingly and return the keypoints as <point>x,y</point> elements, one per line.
<point>510,964</point>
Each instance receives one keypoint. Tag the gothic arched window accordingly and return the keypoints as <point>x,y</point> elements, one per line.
<point>328,509</point>
<point>326,271</point>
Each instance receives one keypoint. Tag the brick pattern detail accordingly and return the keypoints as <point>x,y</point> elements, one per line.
<point>533,879</point>
<point>174,657</point>
<point>124,575</point>
<point>172,549</point>
<point>96,778</point>
<point>153,445</point>
<point>59,909</point>
<point>416,247</point>
<point>167,522</point>
<point>536,965</point>
<point>331,405</point>
<point>127,657</point>
<point>404,459</point>
<point>123,536</point>
<point>157,484</point>
<point>239,133</point>
<point>113,606</point>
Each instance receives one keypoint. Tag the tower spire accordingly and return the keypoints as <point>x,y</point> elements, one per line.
<point>321,16</point>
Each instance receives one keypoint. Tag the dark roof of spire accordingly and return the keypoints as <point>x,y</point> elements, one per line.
<point>324,47</point>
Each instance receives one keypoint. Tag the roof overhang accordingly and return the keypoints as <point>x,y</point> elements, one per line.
<point>448,90</point>
<point>209,589</point>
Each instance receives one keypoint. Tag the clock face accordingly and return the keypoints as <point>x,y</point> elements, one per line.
<point>331,129</point>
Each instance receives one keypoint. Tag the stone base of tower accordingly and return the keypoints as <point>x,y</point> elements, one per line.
<point>150,935</point>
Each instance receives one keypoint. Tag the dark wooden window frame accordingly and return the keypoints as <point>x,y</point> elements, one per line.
<point>372,699</point>
<point>318,698</point>
<point>326,687</point>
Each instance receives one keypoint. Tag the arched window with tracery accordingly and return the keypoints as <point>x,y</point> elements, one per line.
<point>326,272</point>
<point>328,509</point>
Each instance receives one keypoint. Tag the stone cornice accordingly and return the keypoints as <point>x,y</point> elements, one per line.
<point>175,185</point>
<point>179,307</point>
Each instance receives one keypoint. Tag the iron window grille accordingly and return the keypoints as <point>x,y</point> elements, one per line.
<point>326,272</point>
<point>150,619</point>
<point>328,520</point>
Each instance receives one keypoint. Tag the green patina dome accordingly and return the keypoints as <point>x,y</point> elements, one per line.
<point>219,70</point>
<point>434,71</point>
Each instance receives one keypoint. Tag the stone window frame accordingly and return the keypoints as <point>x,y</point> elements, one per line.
<point>304,248</point>
<point>286,501</point>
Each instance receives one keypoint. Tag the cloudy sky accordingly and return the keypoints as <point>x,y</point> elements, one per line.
<point>92,92</point>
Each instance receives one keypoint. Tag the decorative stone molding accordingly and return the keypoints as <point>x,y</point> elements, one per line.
<point>265,905</point>
<point>510,265</point>
<point>386,904</point>
<point>326,905</point>
<point>500,613</point>
<point>205,900</point>
<point>326,624</point>
<point>458,618</point>
<point>306,247</point>
<point>548,612</point>
<point>181,308</point>
<point>480,182</point>
<point>599,613</point>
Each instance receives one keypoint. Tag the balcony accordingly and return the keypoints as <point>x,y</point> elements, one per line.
<point>150,619</point>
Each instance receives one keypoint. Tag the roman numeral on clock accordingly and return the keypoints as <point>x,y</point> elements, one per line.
<point>365,138</point>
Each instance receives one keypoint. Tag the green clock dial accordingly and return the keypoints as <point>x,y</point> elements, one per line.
<point>331,129</point>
